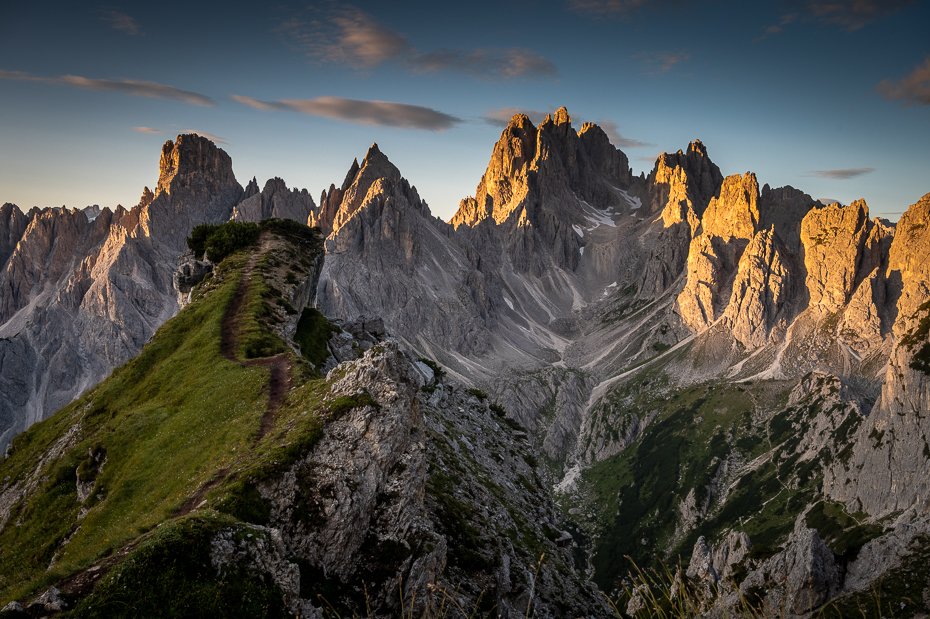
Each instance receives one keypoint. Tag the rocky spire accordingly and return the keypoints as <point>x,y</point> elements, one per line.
<point>147,197</point>
<point>275,200</point>
<point>13,224</point>
<point>193,159</point>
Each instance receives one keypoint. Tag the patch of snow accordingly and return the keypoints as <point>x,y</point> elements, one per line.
<point>613,285</point>
<point>508,302</point>
<point>581,250</point>
<point>578,230</point>
<point>635,202</point>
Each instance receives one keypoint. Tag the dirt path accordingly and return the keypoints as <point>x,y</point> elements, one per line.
<point>278,366</point>
<point>279,369</point>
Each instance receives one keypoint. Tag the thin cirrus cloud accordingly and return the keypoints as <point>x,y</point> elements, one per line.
<point>610,7</point>
<point>213,138</point>
<point>121,21</point>
<point>850,15</point>
<point>501,116</point>
<point>136,88</point>
<point>380,113</point>
<point>660,62</point>
<point>352,37</point>
<point>613,132</point>
<point>839,175</point>
<point>912,90</point>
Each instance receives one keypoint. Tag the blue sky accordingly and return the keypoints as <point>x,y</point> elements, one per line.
<point>830,96</point>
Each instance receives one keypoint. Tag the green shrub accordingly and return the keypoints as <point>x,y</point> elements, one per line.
<point>478,393</point>
<point>218,241</point>
<point>313,331</point>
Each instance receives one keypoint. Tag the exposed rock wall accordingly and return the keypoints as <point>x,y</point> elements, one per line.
<point>275,200</point>
<point>81,297</point>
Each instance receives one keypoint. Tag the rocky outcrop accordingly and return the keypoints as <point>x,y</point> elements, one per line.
<point>888,470</point>
<point>81,297</point>
<point>715,563</point>
<point>275,200</point>
<point>376,500</point>
<point>13,224</point>
<point>190,273</point>
<point>760,291</point>
<point>331,201</point>
<point>834,238</point>
<point>800,578</point>
<point>729,223</point>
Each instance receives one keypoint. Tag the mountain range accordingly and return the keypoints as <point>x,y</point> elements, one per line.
<point>702,367</point>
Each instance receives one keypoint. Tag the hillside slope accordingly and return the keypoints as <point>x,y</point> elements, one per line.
<point>220,474</point>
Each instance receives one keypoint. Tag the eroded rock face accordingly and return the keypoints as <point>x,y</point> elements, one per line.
<point>275,200</point>
<point>890,466</point>
<point>384,495</point>
<point>760,291</point>
<point>13,224</point>
<point>82,297</point>
<point>834,238</point>
<point>800,578</point>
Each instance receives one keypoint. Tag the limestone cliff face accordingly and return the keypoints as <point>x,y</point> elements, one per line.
<point>834,239</point>
<point>679,187</point>
<point>729,223</point>
<point>13,224</point>
<point>908,271</point>
<point>505,184</point>
<point>760,291</point>
<point>889,469</point>
<point>275,200</point>
<point>81,297</point>
<point>544,184</point>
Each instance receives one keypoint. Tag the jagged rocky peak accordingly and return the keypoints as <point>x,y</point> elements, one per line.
<point>908,267</point>
<point>834,239</point>
<point>251,190</point>
<point>690,174</point>
<point>193,162</point>
<point>275,200</point>
<point>13,224</point>
<point>147,197</point>
<point>375,176</point>
<point>548,166</point>
<point>760,291</point>
<point>610,161</point>
<point>504,182</point>
<point>734,211</point>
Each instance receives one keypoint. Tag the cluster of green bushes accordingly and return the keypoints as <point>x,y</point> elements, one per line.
<point>216,241</point>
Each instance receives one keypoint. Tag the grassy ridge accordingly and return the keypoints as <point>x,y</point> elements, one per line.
<point>167,421</point>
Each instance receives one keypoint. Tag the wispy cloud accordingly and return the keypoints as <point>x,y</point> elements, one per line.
<point>609,7</point>
<point>382,113</point>
<point>851,15</point>
<point>121,21</point>
<point>613,132</point>
<point>854,14</point>
<point>912,90</point>
<point>213,138</point>
<point>136,88</point>
<point>660,62</point>
<point>839,175</point>
<point>500,116</point>
<point>352,37</point>
<point>509,63</point>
